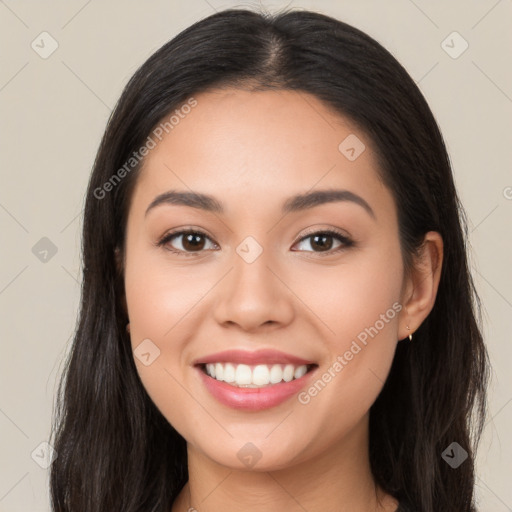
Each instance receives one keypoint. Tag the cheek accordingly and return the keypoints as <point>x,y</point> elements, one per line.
<point>164,302</point>
<point>160,302</point>
<point>359,306</point>
<point>159,296</point>
<point>352,296</point>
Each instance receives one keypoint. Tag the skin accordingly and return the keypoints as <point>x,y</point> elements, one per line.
<point>253,150</point>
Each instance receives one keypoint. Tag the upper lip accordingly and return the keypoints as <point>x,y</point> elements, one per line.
<point>265,356</point>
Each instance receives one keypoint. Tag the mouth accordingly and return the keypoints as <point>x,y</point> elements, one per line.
<point>253,380</point>
<point>255,376</point>
<point>254,387</point>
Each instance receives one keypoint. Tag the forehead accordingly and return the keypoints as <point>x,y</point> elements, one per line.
<point>252,146</point>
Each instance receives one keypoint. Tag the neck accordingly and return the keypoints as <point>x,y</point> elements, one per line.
<point>340,476</point>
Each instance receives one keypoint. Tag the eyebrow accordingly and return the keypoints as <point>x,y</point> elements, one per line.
<point>295,203</point>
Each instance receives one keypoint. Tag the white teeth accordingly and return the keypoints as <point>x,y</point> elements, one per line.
<point>243,375</point>
<point>219,371</point>
<point>260,375</point>
<point>276,374</point>
<point>229,372</point>
<point>300,371</point>
<point>288,373</point>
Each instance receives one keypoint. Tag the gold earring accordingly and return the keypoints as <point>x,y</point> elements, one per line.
<point>410,335</point>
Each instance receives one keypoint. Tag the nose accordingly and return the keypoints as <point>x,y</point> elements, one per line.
<point>254,295</point>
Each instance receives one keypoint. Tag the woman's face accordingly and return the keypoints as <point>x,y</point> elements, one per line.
<point>261,274</point>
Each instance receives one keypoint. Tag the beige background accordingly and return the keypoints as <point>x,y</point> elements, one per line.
<point>54,111</point>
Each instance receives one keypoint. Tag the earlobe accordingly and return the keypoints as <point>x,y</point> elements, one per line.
<point>423,285</point>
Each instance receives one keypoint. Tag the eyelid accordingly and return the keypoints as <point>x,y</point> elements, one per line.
<point>315,230</point>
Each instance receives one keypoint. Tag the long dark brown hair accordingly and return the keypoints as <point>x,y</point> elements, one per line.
<point>116,452</point>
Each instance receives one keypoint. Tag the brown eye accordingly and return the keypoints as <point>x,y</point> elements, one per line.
<point>186,242</point>
<point>192,242</point>
<point>323,241</point>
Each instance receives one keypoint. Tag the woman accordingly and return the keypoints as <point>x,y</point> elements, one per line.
<point>277,308</point>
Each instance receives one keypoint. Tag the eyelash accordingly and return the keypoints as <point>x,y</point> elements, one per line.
<point>346,242</point>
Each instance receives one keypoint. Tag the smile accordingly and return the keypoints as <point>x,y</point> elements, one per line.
<point>244,394</point>
<point>255,376</point>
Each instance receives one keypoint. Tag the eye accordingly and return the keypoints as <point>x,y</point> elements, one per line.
<point>322,240</point>
<point>192,241</point>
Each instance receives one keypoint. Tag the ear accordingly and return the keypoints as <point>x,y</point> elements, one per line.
<point>421,287</point>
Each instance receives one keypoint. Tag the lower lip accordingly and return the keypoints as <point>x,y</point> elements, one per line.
<point>254,399</point>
